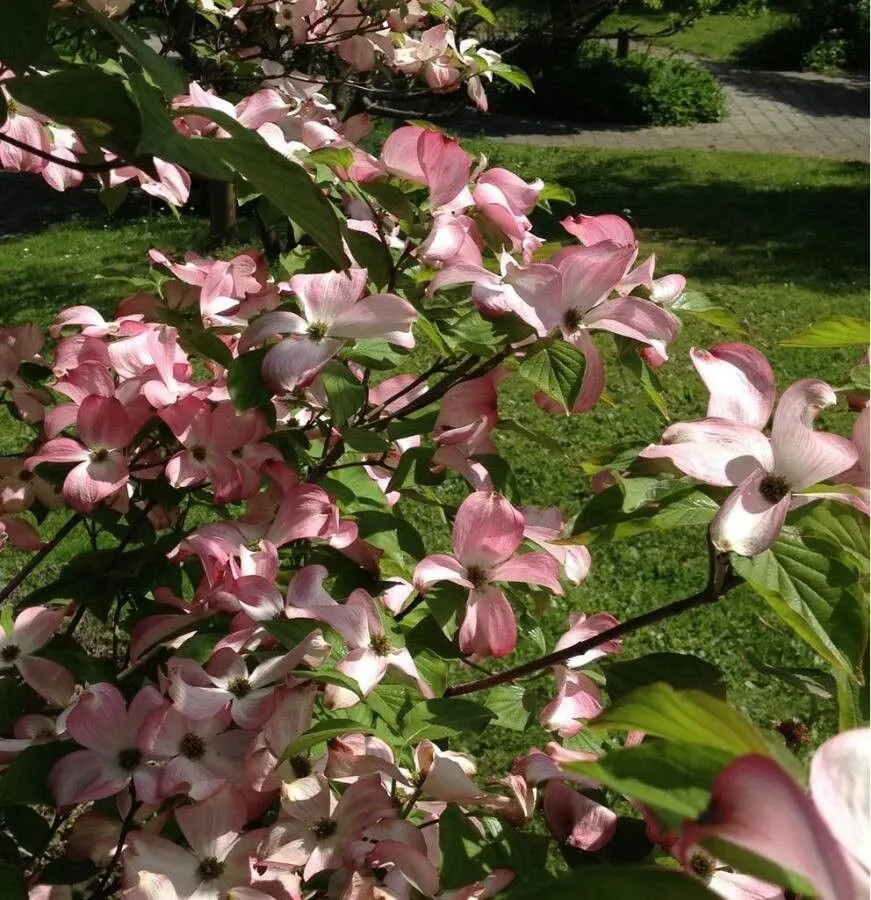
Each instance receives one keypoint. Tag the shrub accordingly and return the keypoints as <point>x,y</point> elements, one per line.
<point>595,86</point>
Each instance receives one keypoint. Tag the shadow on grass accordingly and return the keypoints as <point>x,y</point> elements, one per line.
<point>738,231</point>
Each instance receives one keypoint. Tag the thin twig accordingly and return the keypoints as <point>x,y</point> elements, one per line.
<point>16,580</point>
<point>720,581</point>
<point>105,166</point>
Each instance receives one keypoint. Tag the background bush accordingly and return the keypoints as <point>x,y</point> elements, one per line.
<point>593,85</point>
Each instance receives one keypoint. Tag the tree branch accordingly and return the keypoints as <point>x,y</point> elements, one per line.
<point>105,166</point>
<point>720,580</point>
<point>37,559</point>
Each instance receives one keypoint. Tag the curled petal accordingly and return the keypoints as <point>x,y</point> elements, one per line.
<point>804,456</point>
<point>748,523</point>
<point>740,380</point>
<point>575,819</point>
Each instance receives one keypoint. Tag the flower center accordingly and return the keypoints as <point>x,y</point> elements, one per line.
<point>317,331</point>
<point>794,733</point>
<point>193,746</point>
<point>325,828</point>
<point>774,488</point>
<point>199,452</point>
<point>380,644</point>
<point>99,454</point>
<point>10,653</point>
<point>210,868</point>
<point>702,865</point>
<point>129,759</point>
<point>239,687</point>
<point>572,319</point>
<point>300,766</point>
<point>477,575</point>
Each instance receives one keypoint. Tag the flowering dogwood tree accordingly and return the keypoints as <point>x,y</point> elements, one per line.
<point>290,680</point>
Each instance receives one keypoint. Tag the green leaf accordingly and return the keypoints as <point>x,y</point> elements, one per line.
<point>245,382</point>
<point>12,883</point>
<point>390,533</point>
<point>163,72</point>
<point>814,682</point>
<point>461,846</point>
<point>840,525</point>
<point>427,635</point>
<point>617,883</point>
<point>13,700</point>
<point>675,779</point>
<point>23,29</point>
<point>842,331</point>
<point>290,633</point>
<point>390,198</point>
<point>558,370</point>
<point>89,101</point>
<point>555,192</point>
<point>370,253</point>
<point>373,353</point>
<point>25,780</point>
<point>512,75</point>
<point>335,157</point>
<point>501,474</point>
<point>688,717</point>
<point>288,187</point>
<point>445,717</point>
<point>646,376</point>
<point>703,308</point>
<point>814,593</point>
<point>681,671</point>
<point>206,345</point>
<point>536,436</point>
<point>364,441</point>
<point>506,702</point>
<point>324,731</point>
<point>329,676</point>
<point>29,828</point>
<point>345,393</point>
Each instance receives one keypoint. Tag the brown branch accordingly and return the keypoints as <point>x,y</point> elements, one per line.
<point>720,581</point>
<point>105,166</point>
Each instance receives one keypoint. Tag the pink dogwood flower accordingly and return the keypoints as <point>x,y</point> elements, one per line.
<point>575,819</point>
<point>105,430</point>
<point>33,628</point>
<point>543,526</point>
<point>218,861</point>
<point>318,828</point>
<point>771,475</point>
<point>334,309</point>
<point>487,532</point>
<point>823,838</point>
<point>103,724</point>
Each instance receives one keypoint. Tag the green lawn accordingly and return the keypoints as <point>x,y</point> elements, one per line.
<point>781,241</point>
<point>726,37</point>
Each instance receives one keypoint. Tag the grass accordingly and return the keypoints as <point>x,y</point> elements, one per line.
<point>781,241</point>
<point>724,37</point>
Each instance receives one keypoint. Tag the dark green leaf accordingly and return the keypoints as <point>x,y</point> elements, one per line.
<point>421,422</point>
<point>23,29</point>
<point>841,525</point>
<point>558,370</point>
<point>13,699</point>
<point>12,884</point>
<point>680,670</point>
<point>207,345</point>
<point>372,255</point>
<point>535,436</point>
<point>501,474</point>
<point>814,593</point>
<point>444,718</point>
<point>391,198</point>
<point>65,871</point>
<point>646,376</point>
<point>245,382</point>
<point>25,780</point>
<point>345,393</point>
<point>814,682</point>
<point>390,533</point>
<point>617,883</point>
<point>325,730</point>
<point>461,846</point>
<point>427,635</point>
<point>163,72</point>
<point>329,676</point>
<point>687,717</point>
<point>674,779</point>
<point>29,828</point>
<point>364,441</point>
<point>290,633</point>
<point>91,102</point>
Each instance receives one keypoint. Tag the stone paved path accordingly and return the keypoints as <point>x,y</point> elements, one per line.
<point>794,113</point>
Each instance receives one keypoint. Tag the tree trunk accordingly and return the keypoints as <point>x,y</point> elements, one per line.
<point>222,211</point>
<point>622,44</point>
